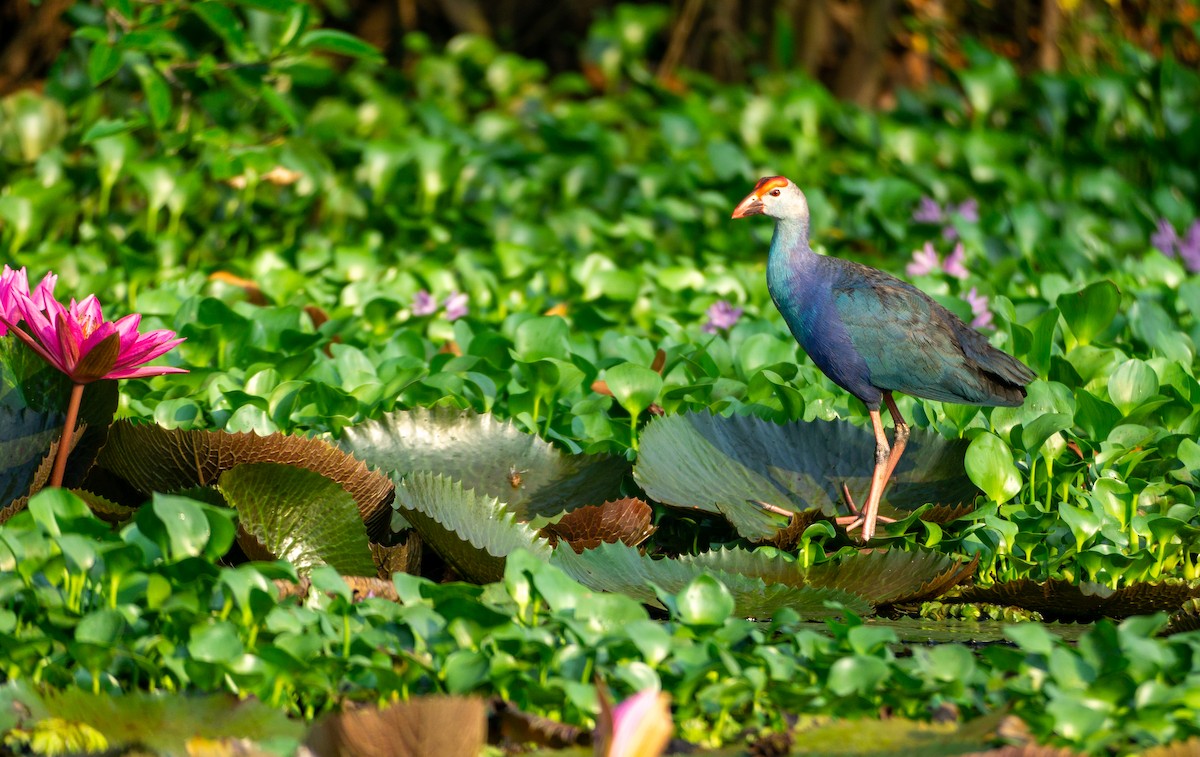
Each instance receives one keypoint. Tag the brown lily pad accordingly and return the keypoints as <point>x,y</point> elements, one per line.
<point>155,459</point>
<point>627,520</point>
<point>1062,600</point>
<point>421,726</point>
<point>401,557</point>
<point>788,537</point>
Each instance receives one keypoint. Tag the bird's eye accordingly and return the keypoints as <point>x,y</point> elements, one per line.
<point>774,192</point>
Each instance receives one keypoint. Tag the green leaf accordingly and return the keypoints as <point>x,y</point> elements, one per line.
<point>339,42</point>
<point>704,602</point>
<point>299,516</point>
<point>634,386</point>
<point>541,337</point>
<point>727,465</point>
<point>1089,311</point>
<point>857,674</point>
<point>176,524</point>
<point>223,21</point>
<point>217,643</point>
<point>157,92</point>
<point>102,627</point>
<point>990,465</point>
<point>1131,384</point>
<point>472,532</point>
<point>104,60</point>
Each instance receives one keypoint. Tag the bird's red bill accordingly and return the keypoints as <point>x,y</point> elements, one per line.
<point>751,206</point>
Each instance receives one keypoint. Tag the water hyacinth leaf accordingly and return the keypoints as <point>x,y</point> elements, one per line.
<point>490,456</point>
<point>154,459</point>
<point>299,516</point>
<point>727,465</point>
<point>541,337</point>
<point>623,569</point>
<point>634,386</point>
<point>1089,311</point>
<point>473,532</point>
<point>627,520</point>
<point>989,464</point>
<point>705,601</point>
<point>180,527</point>
<point>1131,384</point>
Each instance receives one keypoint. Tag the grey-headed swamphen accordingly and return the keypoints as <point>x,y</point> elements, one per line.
<point>873,334</point>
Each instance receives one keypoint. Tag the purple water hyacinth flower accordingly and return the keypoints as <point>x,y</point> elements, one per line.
<point>1189,248</point>
<point>1164,239</point>
<point>423,304</point>
<point>928,211</point>
<point>979,309</point>
<point>968,210</point>
<point>924,261</point>
<point>953,264</point>
<point>456,305</point>
<point>721,316</point>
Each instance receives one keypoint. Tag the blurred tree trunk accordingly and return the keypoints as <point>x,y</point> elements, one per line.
<point>861,72</point>
<point>39,36</point>
<point>1048,55</point>
<point>815,31</point>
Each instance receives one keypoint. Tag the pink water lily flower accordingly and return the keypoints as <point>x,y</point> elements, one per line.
<point>638,727</point>
<point>79,342</point>
<point>14,286</point>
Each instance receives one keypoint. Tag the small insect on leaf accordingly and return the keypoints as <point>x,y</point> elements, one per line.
<point>515,477</point>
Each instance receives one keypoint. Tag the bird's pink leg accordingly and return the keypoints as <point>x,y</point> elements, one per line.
<point>899,435</point>
<point>883,454</point>
<point>886,459</point>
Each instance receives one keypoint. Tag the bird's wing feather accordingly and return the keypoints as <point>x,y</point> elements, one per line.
<point>915,346</point>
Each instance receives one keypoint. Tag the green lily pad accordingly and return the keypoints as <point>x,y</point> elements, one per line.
<point>896,736</point>
<point>299,516</point>
<point>155,459</point>
<point>889,577</point>
<point>944,631</point>
<point>161,723</point>
<point>881,577</point>
<point>473,532</point>
<point>728,465</point>
<point>489,456</point>
<point>623,569</point>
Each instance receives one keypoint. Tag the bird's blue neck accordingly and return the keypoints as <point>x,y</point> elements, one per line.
<point>790,256</point>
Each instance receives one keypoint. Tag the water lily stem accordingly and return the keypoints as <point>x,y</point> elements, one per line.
<point>64,443</point>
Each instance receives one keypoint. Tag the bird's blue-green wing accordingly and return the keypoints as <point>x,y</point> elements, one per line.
<point>913,345</point>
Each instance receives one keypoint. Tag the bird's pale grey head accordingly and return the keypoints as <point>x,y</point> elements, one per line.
<point>774,196</point>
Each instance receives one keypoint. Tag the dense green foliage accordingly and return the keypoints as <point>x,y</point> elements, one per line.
<point>149,607</point>
<point>213,169</point>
